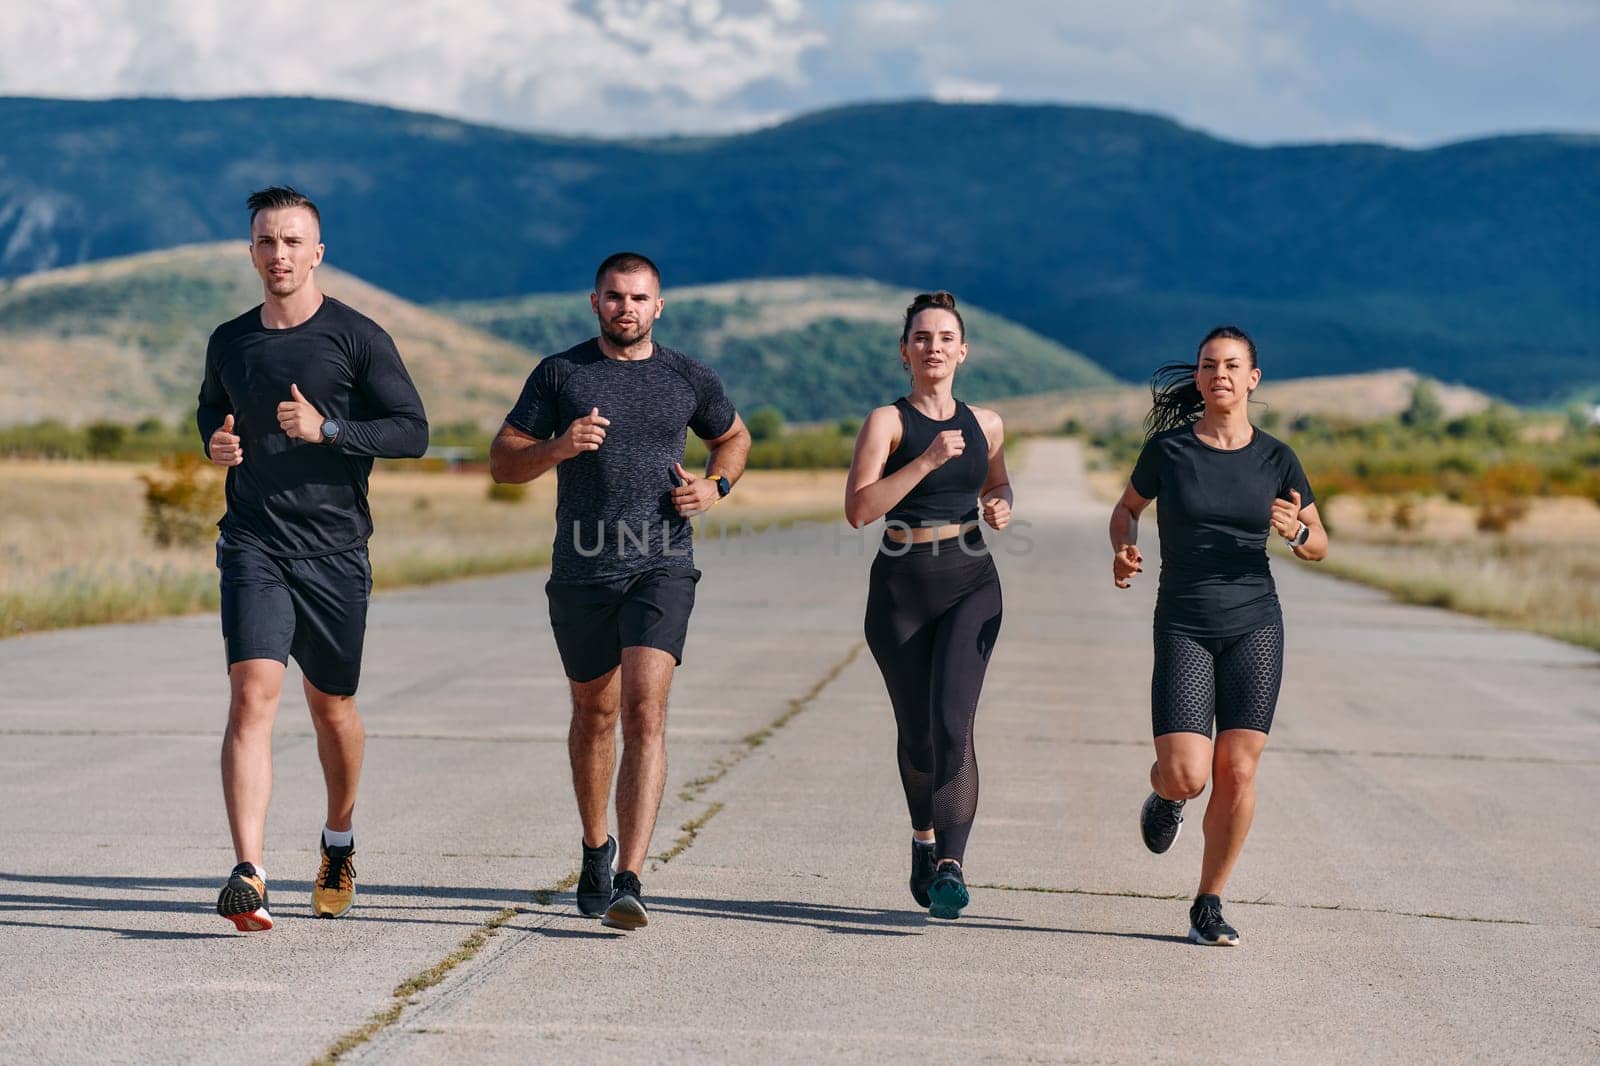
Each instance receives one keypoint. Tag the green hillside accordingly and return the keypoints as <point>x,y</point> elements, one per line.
<point>125,339</point>
<point>815,348</point>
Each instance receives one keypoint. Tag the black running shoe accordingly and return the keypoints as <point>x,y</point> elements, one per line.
<point>594,882</point>
<point>922,864</point>
<point>948,893</point>
<point>1160,822</point>
<point>1206,925</point>
<point>243,900</point>
<point>627,903</point>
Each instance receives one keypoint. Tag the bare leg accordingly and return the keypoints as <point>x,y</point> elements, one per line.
<point>341,744</point>
<point>256,685</point>
<point>646,681</point>
<point>1232,806</point>
<point>1183,762</point>
<point>592,750</point>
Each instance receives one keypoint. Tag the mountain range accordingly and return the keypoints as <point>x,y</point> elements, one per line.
<point>1123,236</point>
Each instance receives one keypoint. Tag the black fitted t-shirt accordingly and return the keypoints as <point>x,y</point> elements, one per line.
<point>614,513</point>
<point>950,493</point>
<point>1214,517</point>
<point>289,497</point>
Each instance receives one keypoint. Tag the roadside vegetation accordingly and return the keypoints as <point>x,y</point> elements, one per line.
<point>1496,513</point>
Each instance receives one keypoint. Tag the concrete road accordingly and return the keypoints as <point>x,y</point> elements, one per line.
<point>1420,884</point>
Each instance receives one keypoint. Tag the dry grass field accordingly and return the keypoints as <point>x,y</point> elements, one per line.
<point>73,550</point>
<point>1542,574</point>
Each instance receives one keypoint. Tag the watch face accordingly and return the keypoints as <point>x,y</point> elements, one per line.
<point>330,429</point>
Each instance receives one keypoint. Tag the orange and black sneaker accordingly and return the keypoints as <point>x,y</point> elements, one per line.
<point>243,900</point>
<point>335,887</point>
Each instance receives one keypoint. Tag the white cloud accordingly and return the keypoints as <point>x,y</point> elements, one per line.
<point>602,66</point>
<point>1259,70</point>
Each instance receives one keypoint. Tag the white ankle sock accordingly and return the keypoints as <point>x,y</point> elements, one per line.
<point>335,839</point>
<point>922,843</point>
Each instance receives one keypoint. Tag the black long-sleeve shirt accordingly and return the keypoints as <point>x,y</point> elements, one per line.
<point>290,497</point>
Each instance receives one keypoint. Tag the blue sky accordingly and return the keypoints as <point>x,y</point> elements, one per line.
<point>1265,71</point>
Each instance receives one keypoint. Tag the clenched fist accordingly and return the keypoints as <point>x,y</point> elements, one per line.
<point>1125,563</point>
<point>224,447</point>
<point>298,418</point>
<point>586,434</point>
<point>1286,515</point>
<point>997,512</point>
<point>945,447</point>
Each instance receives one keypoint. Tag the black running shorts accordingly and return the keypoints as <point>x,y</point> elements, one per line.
<point>594,622</point>
<point>312,609</point>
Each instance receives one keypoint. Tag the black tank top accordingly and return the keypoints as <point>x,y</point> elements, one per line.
<point>950,493</point>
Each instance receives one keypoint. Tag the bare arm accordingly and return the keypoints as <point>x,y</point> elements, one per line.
<point>515,456</point>
<point>868,495</point>
<point>995,496</point>
<point>726,458</point>
<point>728,453</point>
<point>1126,559</point>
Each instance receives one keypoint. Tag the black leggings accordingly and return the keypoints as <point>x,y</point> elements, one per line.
<point>1232,679</point>
<point>932,619</point>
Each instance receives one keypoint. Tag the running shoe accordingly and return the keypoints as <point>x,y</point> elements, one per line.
<point>1206,925</point>
<point>594,882</point>
<point>1160,822</point>
<point>335,887</point>
<point>627,903</point>
<point>243,900</point>
<point>922,863</point>
<point>948,894</point>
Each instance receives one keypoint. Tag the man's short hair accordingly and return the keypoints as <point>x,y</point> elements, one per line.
<point>275,196</point>
<point>625,263</point>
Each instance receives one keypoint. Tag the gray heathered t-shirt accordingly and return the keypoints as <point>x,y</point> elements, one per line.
<point>614,514</point>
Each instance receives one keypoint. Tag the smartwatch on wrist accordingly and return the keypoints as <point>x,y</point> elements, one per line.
<point>330,431</point>
<point>724,486</point>
<point>1302,535</point>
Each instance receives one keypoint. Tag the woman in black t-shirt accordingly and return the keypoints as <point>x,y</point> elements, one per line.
<point>933,467</point>
<point>1224,486</point>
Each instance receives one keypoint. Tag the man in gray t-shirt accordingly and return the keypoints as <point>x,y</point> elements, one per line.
<point>610,416</point>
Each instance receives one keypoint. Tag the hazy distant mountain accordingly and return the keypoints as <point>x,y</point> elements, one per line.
<point>1120,235</point>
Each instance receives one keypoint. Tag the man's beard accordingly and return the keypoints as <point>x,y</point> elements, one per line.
<point>629,339</point>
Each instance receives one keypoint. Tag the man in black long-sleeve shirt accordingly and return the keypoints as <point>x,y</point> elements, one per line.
<point>300,395</point>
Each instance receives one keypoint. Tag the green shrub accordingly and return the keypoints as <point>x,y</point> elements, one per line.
<point>508,492</point>
<point>104,440</point>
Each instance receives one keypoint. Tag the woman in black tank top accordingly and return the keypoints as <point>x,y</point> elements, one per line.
<point>932,467</point>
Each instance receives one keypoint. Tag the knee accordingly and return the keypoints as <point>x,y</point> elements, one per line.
<point>335,710</point>
<point>594,719</point>
<point>254,705</point>
<point>644,721</point>
<point>1187,779</point>
<point>1234,775</point>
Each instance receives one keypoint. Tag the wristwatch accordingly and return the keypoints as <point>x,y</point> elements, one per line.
<point>724,486</point>
<point>1302,535</point>
<point>330,431</point>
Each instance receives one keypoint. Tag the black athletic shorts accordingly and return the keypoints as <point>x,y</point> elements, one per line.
<point>594,622</point>
<point>312,609</point>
